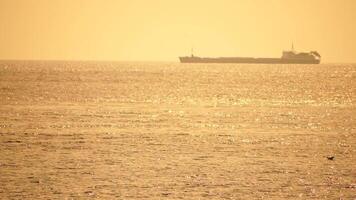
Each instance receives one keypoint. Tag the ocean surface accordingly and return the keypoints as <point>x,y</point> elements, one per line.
<point>140,130</point>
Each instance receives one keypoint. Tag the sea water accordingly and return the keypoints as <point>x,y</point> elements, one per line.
<point>165,130</point>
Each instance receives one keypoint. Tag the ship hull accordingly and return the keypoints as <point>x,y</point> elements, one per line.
<point>248,60</point>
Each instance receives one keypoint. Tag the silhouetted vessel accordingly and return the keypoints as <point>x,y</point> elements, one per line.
<point>288,57</point>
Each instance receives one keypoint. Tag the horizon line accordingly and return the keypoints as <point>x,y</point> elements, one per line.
<point>171,61</point>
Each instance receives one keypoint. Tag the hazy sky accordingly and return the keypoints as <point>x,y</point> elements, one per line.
<point>166,29</point>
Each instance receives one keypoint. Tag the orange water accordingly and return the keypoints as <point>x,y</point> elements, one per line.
<point>115,130</point>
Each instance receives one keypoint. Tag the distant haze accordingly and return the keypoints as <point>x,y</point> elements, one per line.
<point>166,29</point>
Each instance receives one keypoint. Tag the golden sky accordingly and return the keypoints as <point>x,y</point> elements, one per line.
<point>166,29</point>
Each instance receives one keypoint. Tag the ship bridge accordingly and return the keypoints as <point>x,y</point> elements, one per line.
<point>292,54</point>
<point>313,55</point>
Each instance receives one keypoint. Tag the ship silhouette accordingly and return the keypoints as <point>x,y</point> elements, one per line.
<point>288,57</point>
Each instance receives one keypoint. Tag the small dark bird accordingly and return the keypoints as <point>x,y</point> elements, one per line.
<point>330,157</point>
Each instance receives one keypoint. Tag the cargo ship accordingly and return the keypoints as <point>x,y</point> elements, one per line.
<point>288,57</point>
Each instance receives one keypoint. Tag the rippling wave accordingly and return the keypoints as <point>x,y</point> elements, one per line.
<point>116,130</point>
